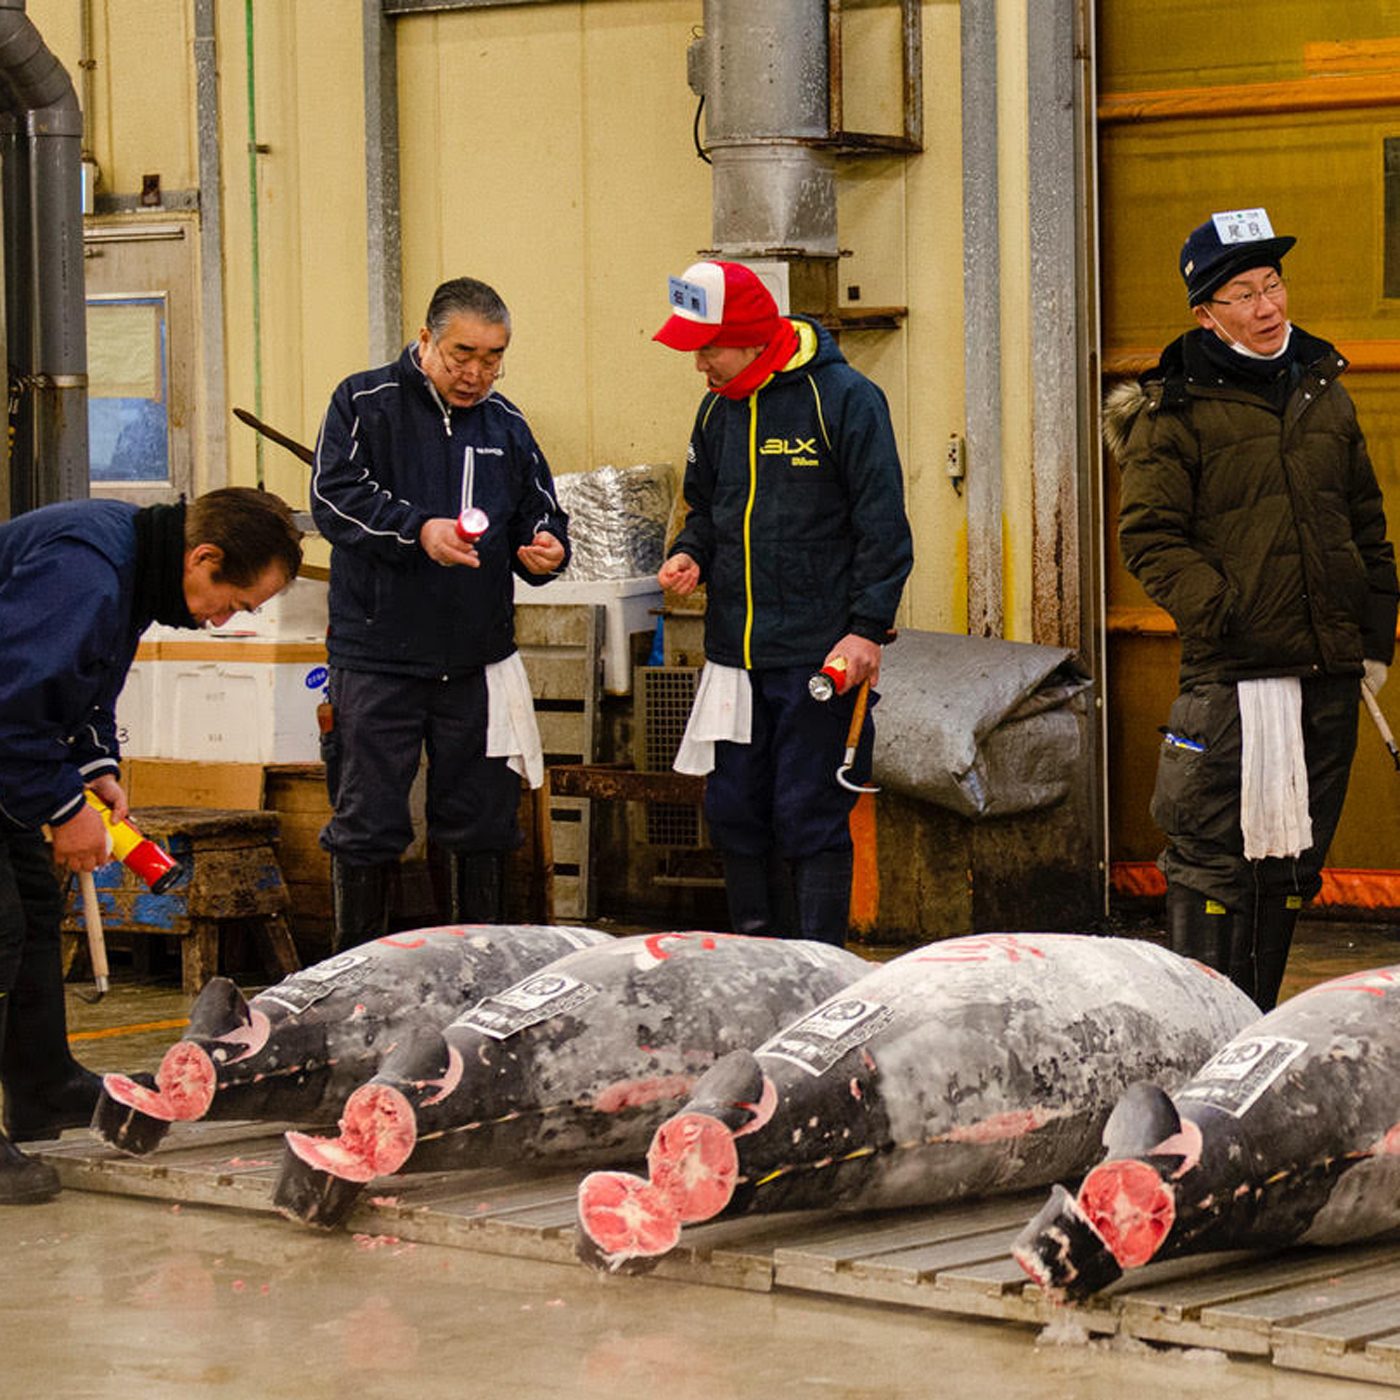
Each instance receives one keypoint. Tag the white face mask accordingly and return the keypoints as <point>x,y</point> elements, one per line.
<point>1244,349</point>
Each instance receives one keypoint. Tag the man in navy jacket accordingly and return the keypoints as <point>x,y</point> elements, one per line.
<point>79,583</point>
<point>796,525</point>
<point>422,636</point>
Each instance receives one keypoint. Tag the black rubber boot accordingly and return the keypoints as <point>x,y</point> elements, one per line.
<point>759,891</point>
<point>359,901</point>
<point>1274,922</point>
<point>1198,928</point>
<point>823,884</point>
<point>476,887</point>
<point>23,1181</point>
<point>46,1089</point>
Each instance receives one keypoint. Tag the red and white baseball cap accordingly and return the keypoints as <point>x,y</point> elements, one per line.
<point>718,303</point>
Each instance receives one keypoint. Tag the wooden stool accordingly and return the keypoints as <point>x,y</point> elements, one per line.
<point>231,875</point>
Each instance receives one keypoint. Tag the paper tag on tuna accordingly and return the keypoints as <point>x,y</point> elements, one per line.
<point>305,988</point>
<point>817,1041</point>
<point>1235,1077</point>
<point>527,1003</point>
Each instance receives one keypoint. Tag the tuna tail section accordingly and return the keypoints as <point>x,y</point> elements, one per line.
<point>1141,1119</point>
<point>120,1124</point>
<point>1063,1253</point>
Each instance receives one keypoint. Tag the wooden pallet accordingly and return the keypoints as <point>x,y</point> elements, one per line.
<point>1328,1312</point>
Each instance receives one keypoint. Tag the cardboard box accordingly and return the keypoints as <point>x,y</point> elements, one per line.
<point>165,782</point>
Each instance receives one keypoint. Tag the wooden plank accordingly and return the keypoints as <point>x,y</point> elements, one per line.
<point>555,676</point>
<point>563,732</point>
<point>553,625</point>
<point>1288,1288</point>
<point>1358,1308</point>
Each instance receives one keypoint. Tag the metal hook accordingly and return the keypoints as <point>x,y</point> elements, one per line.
<point>853,740</point>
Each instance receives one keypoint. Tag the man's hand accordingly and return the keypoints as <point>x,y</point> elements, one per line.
<point>862,659</point>
<point>443,545</point>
<point>113,794</point>
<point>1374,677</point>
<point>680,574</point>
<point>80,843</point>
<point>542,555</point>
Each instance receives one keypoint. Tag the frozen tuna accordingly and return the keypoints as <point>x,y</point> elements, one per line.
<point>1289,1134</point>
<point>964,1068</point>
<point>579,1062</point>
<point>296,1051</point>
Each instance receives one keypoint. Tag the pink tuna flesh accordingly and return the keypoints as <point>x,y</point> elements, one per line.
<point>185,1086</point>
<point>378,1131</point>
<point>692,1161</point>
<point>1131,1207</point>
<point>626,1217</point>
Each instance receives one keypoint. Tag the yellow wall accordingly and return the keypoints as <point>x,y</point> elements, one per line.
<point>547,148</point>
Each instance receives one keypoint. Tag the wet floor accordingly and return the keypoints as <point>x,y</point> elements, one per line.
<point>111,1298</point>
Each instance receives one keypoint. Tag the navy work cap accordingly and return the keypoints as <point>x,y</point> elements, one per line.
<point>1225,245</point>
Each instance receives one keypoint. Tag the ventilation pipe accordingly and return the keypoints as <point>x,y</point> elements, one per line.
<point>764,74</point>
<point>41,137</point>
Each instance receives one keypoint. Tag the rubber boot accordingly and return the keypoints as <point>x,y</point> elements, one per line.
<point>46,1089</point>
<point>476,887</point>
<point>23,1181</point>
<point>1198,927</point>
<point>823,885</point>
<point>359,902</point>
<point>1274,921</point>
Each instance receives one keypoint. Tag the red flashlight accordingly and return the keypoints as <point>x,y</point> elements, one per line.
<point>138,853</point>
<point>472,524</point>
<point>829,681</point>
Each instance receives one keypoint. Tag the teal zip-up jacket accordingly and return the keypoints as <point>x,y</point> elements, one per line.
<point>796,512</point>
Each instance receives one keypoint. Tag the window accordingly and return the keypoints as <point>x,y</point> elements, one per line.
<point>128,389</point>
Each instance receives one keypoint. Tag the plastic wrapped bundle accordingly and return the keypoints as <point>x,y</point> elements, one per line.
<point>617,519</point>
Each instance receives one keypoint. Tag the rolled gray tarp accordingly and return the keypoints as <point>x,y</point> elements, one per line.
<point>981,726</point>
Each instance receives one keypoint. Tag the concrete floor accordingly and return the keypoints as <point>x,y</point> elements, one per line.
<point>112,1298</point>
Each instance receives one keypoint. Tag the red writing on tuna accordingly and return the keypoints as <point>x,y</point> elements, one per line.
<point>1007,945</point>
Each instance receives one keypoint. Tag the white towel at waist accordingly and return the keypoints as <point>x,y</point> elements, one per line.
<point>1273,770</point>
<point>511,731</point>
<point>722,709</point>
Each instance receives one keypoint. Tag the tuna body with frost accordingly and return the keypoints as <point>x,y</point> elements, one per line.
<point>578,1062</point>
<point>964,1068</point>
<point>1290,1134</point>
<point>296,1051</point>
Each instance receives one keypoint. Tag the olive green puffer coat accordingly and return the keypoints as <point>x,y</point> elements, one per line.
<point>1263,535</point>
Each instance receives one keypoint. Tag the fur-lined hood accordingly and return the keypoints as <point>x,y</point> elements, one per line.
<point>1121,406</point>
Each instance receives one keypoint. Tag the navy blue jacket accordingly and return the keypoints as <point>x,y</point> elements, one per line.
<point>68,633</point>
<point>796,512</point>
<point>390,455</point>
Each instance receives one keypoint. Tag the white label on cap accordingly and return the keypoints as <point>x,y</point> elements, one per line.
<point>1243,225</point>
<point>687,296</point>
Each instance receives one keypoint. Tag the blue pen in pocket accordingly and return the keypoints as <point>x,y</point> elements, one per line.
<point>1177,741</point>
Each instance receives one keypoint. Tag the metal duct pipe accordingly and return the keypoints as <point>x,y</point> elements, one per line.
<point>44,292</point>
<point>764,74</point>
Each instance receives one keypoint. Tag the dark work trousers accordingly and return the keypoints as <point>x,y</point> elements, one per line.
<point>779,792</point>
<point>1196,801</point>
<point>381,726</point>
<point>31,904</point>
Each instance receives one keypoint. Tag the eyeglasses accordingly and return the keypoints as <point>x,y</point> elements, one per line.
<point>1274,290</point>
<point>458,360</point>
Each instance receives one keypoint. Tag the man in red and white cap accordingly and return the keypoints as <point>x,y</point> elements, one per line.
<point>796,526</point>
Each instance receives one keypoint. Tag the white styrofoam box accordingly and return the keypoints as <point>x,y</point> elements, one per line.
<point>628,605</point>
<point>137,709</point>
<point>298,613</point>
<point>238,701</point>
